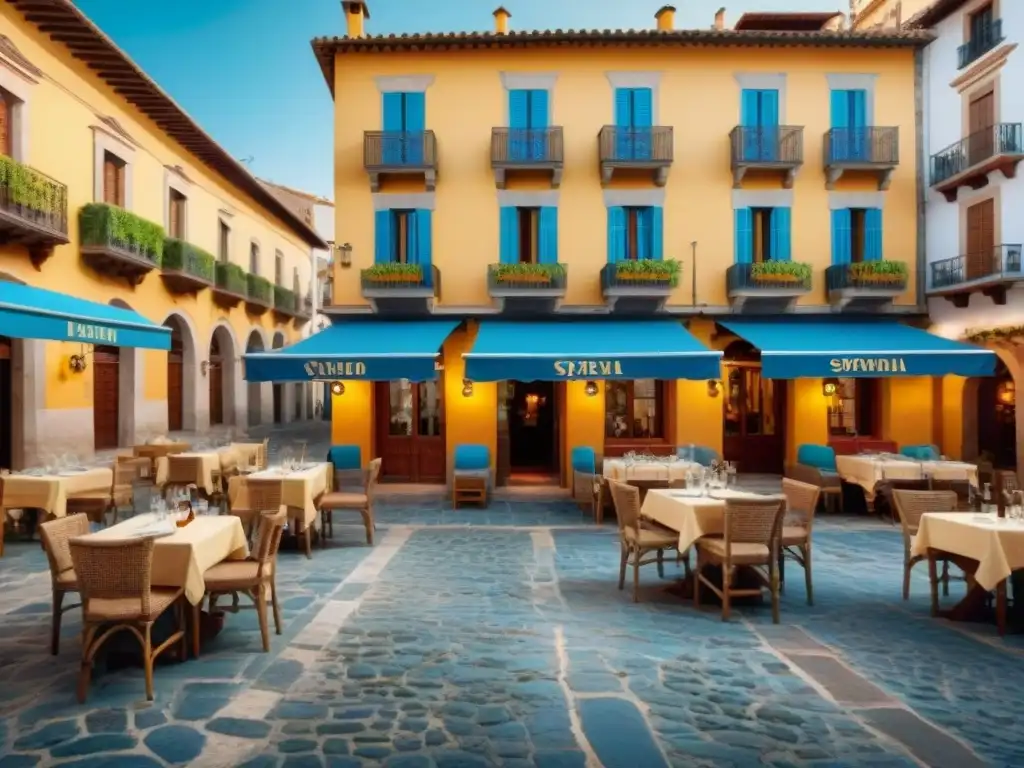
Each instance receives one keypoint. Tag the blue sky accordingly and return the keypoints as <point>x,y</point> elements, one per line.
<point>244,69</point>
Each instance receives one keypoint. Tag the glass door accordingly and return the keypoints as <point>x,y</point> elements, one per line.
<point>410,431</point>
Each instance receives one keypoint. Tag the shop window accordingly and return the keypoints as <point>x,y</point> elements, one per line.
<point>853,408</point>
<point>635,410</point>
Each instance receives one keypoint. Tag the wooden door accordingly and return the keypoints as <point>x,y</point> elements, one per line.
<point>175,385</point>
<point>278,393</point>
<point>215,374</point>
<point>982,120</point>
<point>981,237</point>
<point>6,404</point>
<point>754,419</point>
<point>410,431</point>
<point>105,396</point>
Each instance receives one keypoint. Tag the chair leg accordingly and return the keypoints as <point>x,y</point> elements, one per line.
<point>85,672</point>
<point>147,659</point>
<point>781,566</point>
<point>945,578</point>
<point>661,563</point>
<point>636,574</point>
<point>599,512</point>
<point>261,610</point>
<point>696,582</point>
<point>274,605</point>
<point>933,583</point>
<point>806,549</point>
<point>775,587</point>
<point>726,607</point>
<point>623,558</point>
<point>58,598</point>
<point>906,579</point>
<point>368,525</point>
<point>308,536</point>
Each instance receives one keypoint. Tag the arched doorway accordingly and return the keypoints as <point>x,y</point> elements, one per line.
<point>175,377</point>
<point>255,388</point>
<point>106,391</point>
<point>996,415</point>
<point>221,376</point>
<point>754,412</point>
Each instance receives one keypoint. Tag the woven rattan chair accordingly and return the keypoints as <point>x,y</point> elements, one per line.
<point>56,535</point>
<point>263,454</point>
<point>340,501</point>
<point>114,578</point>
<point>636,538</point>
<point>751,539</point>
<point>253,577</point>
<point>910,505</point>
<point>254,497</point>
<point>801,503</point>
<point>95,504</point>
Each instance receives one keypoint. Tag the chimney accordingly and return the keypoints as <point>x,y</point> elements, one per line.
<point>501,17</point>
<point>666,18</point>
<point>720,19</point>
<point>356,14</point>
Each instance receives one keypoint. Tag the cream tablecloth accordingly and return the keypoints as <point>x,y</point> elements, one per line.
<point>246,452</point>
<point>867,471</point>
<point>300,490</point>
<point>181,559</point>
<point>997,545</point>
<point>50,492</point>
<point>646,471</point>
<point>689,513</point>
<point>222,460</point>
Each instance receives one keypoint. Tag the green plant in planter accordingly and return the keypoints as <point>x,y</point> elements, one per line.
<point>781,272</point>
<point>259,289</point>
<point>284,298</point>
<point>543,274</point>
<point>188,258</point>
<point>393,272</point>
<point>107,225</point>
<point>230,277</point>
<point>31,189</point>
<point>649,270</point>
<point>887,272</point>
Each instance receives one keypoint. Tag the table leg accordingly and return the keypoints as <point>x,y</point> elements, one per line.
<point>975,605</point>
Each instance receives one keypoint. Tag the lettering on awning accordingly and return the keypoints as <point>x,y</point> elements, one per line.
<point>841,365</point>
<point>588,369</point>
<point>348,369</point>
<point>95,334</point>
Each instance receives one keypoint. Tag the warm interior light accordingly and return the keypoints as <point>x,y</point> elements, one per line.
<point>829,387</point>
<point>713,385</point>
<point>1006,392</point>
<point>337,388</point>
<point>467,387</point>
<point>591,388</point>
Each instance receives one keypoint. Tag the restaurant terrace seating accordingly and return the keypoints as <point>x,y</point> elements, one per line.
<point>342,501</point>
<point>347,461</point>
<point>472,478</point>
<point>96,504</point>
<point>254,498</point>
<point>638,538</point>
<point>56,535</point>
<point>801,503</point>
<point>587,486</point>
<point>816,465</point>
<point>910,506</point>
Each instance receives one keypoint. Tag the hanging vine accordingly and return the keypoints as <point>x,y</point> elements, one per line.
<point>1007,333</point>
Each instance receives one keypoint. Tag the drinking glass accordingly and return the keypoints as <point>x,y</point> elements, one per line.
<point>202,507</point>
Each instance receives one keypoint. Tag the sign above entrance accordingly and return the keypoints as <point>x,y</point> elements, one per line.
<point>329,370</point>
<point>844,366</point>
<point>588,369</point>
<point>93,334</point>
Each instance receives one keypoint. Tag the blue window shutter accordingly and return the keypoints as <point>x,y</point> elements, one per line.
<point>415,125</point>
<point>391,142</point>
<point>842,246</point>
<point>657,233</point>
<point>539,108</point>
<point>750,120</point>
<point>643,107</point>
<point>548,235</point>
<point>518,109</point>
<point>840,117</point>
<point>743,242</point>
<point>769,125</point>
<point>412,241</point>
<point>859,124</point>
<point>424,242</point>
<point>393,112</point>
<point>508,219</point>
<point>749,111</point>
<point>643,233</point>
<point>382,236</point>
<point>873,234</point>
<point>781,234</point>
<point>623,107</point>
<point>616,234</point>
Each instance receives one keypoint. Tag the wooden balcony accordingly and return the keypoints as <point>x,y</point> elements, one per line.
<point>635,150</point>
<point>767,286</point>
<point>772,149</point>
<point>872,150</point>
<point>33,210</point>
<point>259,295</point>
<point>400,153</point>
<point>991,273</point>
<point>228,284</point>
<point>969,162</point>
<point>866,284</point>
<point>526,150</point>
<point>401,288</point>
<point>184,268</point>
<point>117,243</point>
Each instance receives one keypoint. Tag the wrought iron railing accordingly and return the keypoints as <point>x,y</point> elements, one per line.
<point>399,149</point>
<point>983,40</point>
<point>1002,261</point>
<point>759,144</point>
<point>868,145</point>
<point>526,277</point>
<point>1001,139</point>
<point>527,146</point>
<point>768,276</point>
<point>33,196</point>
<point>635,145</point>
<point>839,277</point>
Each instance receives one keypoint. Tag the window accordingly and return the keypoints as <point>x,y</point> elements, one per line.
<point>223,239</point>
<point>634,410</point>
<point>762,219</point>
<point>529,234</point>
<point>402,236</point>
<point>278,268</point>
<point>295,280</point>
<point>6,124</point>
<point>113,179</point>
<point>254,258</point>
<point>980,31</point>
<point>176,203</point>
<point>638,233</point>
<point>634,233</point>
<point>852,410</point>
<point>856,235</point>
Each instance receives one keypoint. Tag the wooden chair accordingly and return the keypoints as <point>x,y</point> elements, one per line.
<point>471,475</point>
<point>252,577</point>
<point>637,539</point>
<point>801,503</point>
<point>114,578</point>
<point>263,454</point>
<point>56,535</point>
<point>910,506</point>
<point>254,498</point>
<point>751,539</point>
<point>340,501</point>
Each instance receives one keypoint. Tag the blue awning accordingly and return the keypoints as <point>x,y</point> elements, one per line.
<point>817,348</point>
<point>588,349</point>
<point>27,312</point>
<point>376,350</point>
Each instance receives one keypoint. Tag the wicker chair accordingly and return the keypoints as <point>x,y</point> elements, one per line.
<point>801,503</point>
<point>340,501</point>
<point>263,454</point>
<point>636,538</point>
<point>114,578</point>
<point>751,539</point>
<point>255,497</point>
<point>910,505</point>
<point>56,535</point>
<point>253,577</point>
<point>96,504</point>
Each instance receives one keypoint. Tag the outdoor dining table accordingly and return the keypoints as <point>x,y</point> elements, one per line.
<point>300,489</point>
<point>50,493</point>
<point>220,460</point>
<point>646,471</point>
<point>181,558</point>
<point>246,452</point>
<point>867,471</point>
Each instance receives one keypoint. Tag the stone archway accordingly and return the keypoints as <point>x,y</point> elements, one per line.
<point>222,377</point>
<point>279,390</point>
<point>979,401</point>
<point>255,343</point>
<point>182,375</point>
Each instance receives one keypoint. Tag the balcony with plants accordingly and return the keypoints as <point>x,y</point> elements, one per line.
<point>990,271</point>
<point>33,209</point>
<point>639,284</point>
<point>259,294</point>
<point>866,282</point>
<point>286,302</point>
<point>526,279</point>
<point>770,282</point>
<point>229,284</point>
<point>186,268</point>
<point>118,243</point>
<point>395,286</point>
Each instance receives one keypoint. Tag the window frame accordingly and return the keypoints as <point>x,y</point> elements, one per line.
<point>858,234</point>
<point>400,228</point>
<point>632,232</point>
<point>254,257</point>
<point>761,234</point>
<point>664,406</point>
<point>115,196</point>
<point>17,84</point>
<point>528,221</point>
<point>867,421</point>
<point>176,185</point>
<point>105,143</point>
<point>223,241</point>
<point>279,267</point>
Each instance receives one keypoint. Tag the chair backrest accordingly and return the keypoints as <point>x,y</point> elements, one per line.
<point>626,499</point>
<point>584,459</point>
<point>267,539</point>
<point>700,454</point>
<point>345,457</point>
<point>921,452</point>
<point>817,456</point>
<point>910,505</point>
<point>113,569</point>
<point>753,521</point>
<point>183,470</point>
<point>264,494</point>
<point>372,475</point>
<point>472,457</point>
<point>56,535</point>
<point>263,454</point>
<point>1009,479</point>
<point>801,503</point>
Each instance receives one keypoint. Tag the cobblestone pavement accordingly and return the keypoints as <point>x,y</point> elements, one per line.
<point>498,638</point>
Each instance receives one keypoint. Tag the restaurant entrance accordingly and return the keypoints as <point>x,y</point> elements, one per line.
<point>997,418</point>
<point>410,431</point>
<point>528,433</point>
<point>754,413</point>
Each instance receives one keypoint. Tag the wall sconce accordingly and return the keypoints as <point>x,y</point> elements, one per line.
<point>829,387</point>
<point>467,387</point>
<point>78,363</point>
<point>713,387</point>
<point>1006,392</point>
<point>344,254</point>
<point>590,389</point>
<point>337,388</point>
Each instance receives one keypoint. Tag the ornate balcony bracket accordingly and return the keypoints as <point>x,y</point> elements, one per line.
<point>429,179</point>
<point>501,177</point>
<point>834,173</point>
<point>789,176</point>
<point>118,262</point>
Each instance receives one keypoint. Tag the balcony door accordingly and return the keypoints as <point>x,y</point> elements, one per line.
<point>982,121</point>
<point>755,413</point>
<point>410,431</point>
<point>981,244</point>
<point>404,124</point>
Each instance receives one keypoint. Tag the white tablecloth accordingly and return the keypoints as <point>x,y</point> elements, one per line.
<point>647,471</point>
<point>689,513</point>
<point>997,545</point>
<point>868,471</point>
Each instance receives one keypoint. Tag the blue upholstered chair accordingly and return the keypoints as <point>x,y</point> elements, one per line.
<point>472,477</point>
<point>348,466</point>
<point>699,453</point>
<point>586,482</point>
<point>816,465</point>
<point>921,452</point>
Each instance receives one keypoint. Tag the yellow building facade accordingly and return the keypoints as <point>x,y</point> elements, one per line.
<point>689,177</point>
<point>111,194</point>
